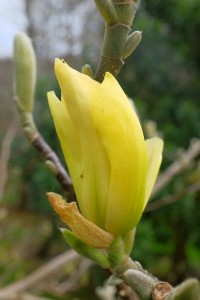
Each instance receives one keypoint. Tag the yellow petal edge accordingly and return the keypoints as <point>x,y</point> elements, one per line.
<point>154,151</point>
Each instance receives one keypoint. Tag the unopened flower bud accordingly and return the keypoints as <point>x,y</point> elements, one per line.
<point>25,72</point>
<point>113,169</point>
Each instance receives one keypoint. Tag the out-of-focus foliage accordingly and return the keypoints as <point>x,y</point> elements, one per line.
<point>163,74</point>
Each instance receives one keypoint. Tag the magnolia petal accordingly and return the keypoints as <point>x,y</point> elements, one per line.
<point>86,230</point>
<point>121,136</point>
<point>67,133</point>
<point>154,150</point>
<point>92,182</point>
<point>76,89</point>
<point>68,137</point>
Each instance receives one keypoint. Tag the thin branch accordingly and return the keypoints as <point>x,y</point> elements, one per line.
<point>169,199</point>
<point>39,275</point>
<point>50,157</point>
<point>5,156</point>
<point>52,161</point>
<point>178,166</point>
<point>27,296</point>
<point>72,283</point>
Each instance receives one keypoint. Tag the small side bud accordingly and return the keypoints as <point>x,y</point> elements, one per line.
<point>87,70</point>
<point>25,72</point>
<point>52,167</point>
<point>85,250</point>
<point>107,10</point>
<point>131,43</point>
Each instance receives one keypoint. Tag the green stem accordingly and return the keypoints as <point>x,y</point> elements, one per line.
<point>115,38</point>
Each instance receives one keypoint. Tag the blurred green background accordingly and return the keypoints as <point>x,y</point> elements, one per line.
<point>162,77</point>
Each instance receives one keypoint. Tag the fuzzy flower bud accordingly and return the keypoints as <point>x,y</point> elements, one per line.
<point>25,72</point>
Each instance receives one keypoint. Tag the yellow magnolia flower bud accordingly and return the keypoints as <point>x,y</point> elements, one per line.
<point>113,169</point>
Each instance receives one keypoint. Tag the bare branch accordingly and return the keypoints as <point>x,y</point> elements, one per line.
<point>5,156</point>
<point>11,291</point>
<point>28,296</point>
<point>49,156</point>
<point>52,161</point>
<point>72,283</point>
<point>177,167</point>
<point>169,199</point>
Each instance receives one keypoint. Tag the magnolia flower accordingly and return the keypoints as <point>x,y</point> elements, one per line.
<point>113,169</point>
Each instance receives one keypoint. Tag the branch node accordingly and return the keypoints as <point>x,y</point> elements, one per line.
<point>161,290</point>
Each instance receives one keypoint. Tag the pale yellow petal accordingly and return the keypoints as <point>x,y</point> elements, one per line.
<point>67,133</point>
<point>68,136</point>
<point>154,150</point>
<point>69,140</point>
<point>92,185</point>
<point>121,135</point>
<point>76,90</point>
<point>86,230</point>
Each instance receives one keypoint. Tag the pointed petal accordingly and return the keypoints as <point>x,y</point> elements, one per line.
<point>76,89</point>
<point>68,137</point>
<point>66,131</point>
<point>86,230</point>
<point>92,184</point>
<point>154,150</point>
<point>121,136</point>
